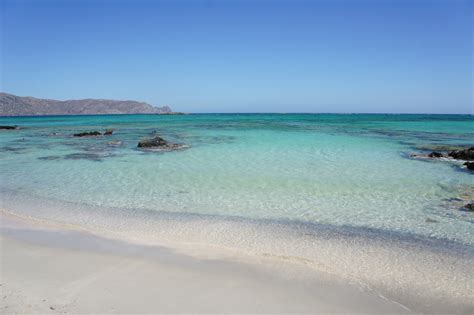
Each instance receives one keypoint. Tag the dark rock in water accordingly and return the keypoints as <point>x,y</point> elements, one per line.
<point>87,134</point>
<point>466,154</point>
<point>435,155</point>
<point>469,206</point>
<point>9,127</point>
<point>469,165</point>
<point>108,132</point>
<point>158,143</point>
<point>154,142</point>
<point>429,220</point>
<point>426,156</point>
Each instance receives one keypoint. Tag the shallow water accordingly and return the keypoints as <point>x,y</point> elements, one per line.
<point>335,170</point>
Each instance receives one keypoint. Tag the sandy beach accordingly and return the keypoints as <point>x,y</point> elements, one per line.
<point>47,268</point>
<point>51,269</point>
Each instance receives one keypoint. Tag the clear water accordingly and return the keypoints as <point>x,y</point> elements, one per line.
<point>337,192</point>
<point>339,170</point>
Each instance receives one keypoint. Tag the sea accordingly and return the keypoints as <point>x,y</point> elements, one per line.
<point>310,187</point>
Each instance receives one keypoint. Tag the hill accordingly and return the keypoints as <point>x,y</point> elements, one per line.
<point>12,105</point>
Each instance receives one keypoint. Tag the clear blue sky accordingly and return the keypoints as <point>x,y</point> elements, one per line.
<point>244,56</point>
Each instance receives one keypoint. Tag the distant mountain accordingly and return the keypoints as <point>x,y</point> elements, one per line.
<point>12,105</point>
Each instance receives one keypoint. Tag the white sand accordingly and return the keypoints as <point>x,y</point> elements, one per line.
<point>57,270</point>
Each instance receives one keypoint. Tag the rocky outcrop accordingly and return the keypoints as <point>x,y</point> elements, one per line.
<point>87,134</point>
<point>158,143</point>
<point>469,165</point>
<point>8,127</point>
<point>440,147</point>
<point>469,206</point>
<point>435,155</point>
<point>461,154</point>
<point>107,132</point>
<point>151,143</point>
<point>466,154</point>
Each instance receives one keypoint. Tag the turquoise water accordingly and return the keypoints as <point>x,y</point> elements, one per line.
<point>331,170</point>
<point>339,193</point>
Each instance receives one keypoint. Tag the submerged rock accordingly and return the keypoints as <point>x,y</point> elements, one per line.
<point>416,155</point>
<point>87,134</point>
<point>108,132</point>
<point>466,154</point>
<point>84,156</point>
<point>432,155</point>
<point>469,165</point>
<point>158,143</point>
<point>440,147</point>
<point>9,127</point>
<point>49,158</point>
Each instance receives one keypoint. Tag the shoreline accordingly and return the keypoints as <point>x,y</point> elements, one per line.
<point>55,269</point>
<point>42,236</point>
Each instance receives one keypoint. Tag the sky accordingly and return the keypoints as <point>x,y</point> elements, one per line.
<point>244,56</point>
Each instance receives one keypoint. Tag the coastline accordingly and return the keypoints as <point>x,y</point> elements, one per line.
<point>225,280</point>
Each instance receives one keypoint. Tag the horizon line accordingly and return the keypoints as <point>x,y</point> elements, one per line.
<point>241,113</point>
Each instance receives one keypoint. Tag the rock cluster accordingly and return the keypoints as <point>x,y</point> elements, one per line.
<point>435,155</point>
<point>469,206</point>
<point>107,132</point>
<point>8,127</point>
<point>87,134</point>
<point>158,143</point>
<point>155,143</point>
<point>469,165</point>
<point>466,154</point>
